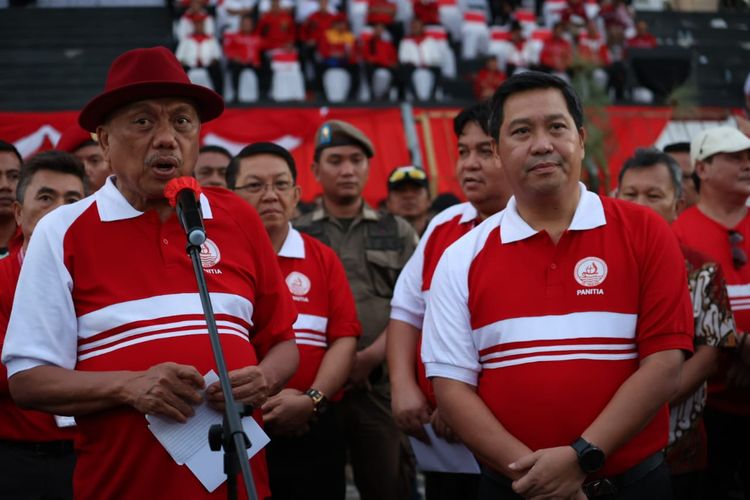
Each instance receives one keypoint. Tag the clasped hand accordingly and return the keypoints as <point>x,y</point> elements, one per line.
<point>549,473</point>
<point>288,413</point>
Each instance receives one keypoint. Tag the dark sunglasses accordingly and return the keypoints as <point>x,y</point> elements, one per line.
<point>739,257</point>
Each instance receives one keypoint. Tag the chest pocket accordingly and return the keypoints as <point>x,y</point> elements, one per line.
<point>384,251</point>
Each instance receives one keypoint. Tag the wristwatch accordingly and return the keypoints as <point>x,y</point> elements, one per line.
<point>590,458</point>
<point>320,402</point>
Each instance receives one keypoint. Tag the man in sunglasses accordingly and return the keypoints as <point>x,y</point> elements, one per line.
<point>373,248</point>
<point>409,196</point>
<point>483,183</point>
<point>719,226</point>
<point>652,178</point>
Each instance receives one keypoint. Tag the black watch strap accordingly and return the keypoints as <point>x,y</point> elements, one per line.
<point>590,458</point>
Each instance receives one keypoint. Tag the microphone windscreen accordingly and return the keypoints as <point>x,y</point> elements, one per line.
<point>178,184</point>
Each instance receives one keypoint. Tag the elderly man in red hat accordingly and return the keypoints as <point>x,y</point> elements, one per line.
<point>121,332</point>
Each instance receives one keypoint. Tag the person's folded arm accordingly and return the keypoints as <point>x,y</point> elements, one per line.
<point>279,365</point>
<point>695,371</point>
<point>166,389</point>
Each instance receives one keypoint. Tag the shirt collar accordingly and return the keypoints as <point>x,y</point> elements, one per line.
<point>588,215</point>
<point>468,214</point>
<point>294,245</point>
<point>113,206</point>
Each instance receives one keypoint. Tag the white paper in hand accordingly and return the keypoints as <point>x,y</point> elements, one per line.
<point>187,443</point>
<point>442,456</point>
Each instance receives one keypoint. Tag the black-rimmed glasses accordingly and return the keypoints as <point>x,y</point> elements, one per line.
<point>259,187</point>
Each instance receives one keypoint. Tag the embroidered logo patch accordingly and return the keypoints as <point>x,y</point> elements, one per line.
<point>298,283</point>
<point>590,271</point>
<point>210,254</point>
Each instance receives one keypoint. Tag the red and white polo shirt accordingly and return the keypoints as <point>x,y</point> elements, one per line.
<point>325,304</point>
<point>705,235</point>
<point>413,285</point>
<point>17,424</point>
<point>548,333</point>
<point>105,287</point>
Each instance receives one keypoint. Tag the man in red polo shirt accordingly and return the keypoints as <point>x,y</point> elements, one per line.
<point>719,226</point>
<point>412,399</point>
<point>307,446</point>
<point>107,324</point>
<point>36,453</point>
<point>555,331</point>
<point>10,167</point>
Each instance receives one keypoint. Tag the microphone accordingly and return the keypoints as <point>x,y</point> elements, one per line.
<point>184,193</point>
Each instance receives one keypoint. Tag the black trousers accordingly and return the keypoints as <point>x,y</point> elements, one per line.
<point>36,474</point>
<point>309,467</point>
<point>728,455</point>
<point>689,486</point>
<point>448,486</point>
<point>236,69</point>
<point>653,486</point>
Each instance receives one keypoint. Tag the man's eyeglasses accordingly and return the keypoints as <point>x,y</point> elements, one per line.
<point>260,187</point>
<point>410,172</point>
<point>739,257</point>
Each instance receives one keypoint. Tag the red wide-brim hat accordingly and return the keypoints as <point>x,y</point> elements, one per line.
<point>141,74</point>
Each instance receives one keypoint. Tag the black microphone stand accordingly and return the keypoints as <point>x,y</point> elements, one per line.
<point>228,435</point>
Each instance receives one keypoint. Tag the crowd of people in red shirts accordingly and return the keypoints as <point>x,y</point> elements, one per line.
<point>232,36</point>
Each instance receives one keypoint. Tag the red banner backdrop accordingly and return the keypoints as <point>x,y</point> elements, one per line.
<point>631,127</point>
<point>625,128</point>
<point>292,128</point>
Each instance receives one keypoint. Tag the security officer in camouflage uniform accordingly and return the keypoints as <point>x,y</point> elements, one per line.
<point>373,248</point>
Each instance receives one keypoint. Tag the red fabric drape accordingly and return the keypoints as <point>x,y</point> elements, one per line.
<point>629,127</point>
<point>292,128</point>
<point>632,127</point>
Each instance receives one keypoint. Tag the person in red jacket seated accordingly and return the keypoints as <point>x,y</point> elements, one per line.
<point>379,53</point>
<point>384,11</point>
<point>312,29</point>
<point>557,54</point>
<point>338,49</point>
<point>316,24</point>
<point>277,28</point>
<point>592,47</point>
<point>242,50</point>
<point>488,79</point>
<point>643,38</point>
